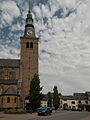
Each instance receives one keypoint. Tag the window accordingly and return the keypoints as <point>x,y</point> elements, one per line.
<point>14,75</point>
<point>2,99</point>
<point>86,102</point>
<point>73,107</point>
<point>15,100</point>
<point>2,75</point>
<point>10,75</point>
<point>8,100</point>
<point>79,102</point>
<point>27,44</point>
<point>73,102</point>
<point>31,45</point>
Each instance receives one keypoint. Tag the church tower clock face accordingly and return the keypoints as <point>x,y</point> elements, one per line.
<point>29,32</point>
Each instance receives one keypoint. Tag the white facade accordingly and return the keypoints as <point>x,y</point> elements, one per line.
<point>43,103</point>
<point>70,103</point>
<point>73,103</point>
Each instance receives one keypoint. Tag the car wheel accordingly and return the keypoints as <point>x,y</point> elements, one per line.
<point>45,114</point>
<point>49,113</point>
<point>38,114</point>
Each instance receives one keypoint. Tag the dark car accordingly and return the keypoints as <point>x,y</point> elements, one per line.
<point>79,109</point>
<point>44,111</point>
<point>29,110</point>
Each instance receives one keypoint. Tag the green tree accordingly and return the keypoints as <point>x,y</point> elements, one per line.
<point>49,99</point>
<point>35,94</point>
<point>56,100</point>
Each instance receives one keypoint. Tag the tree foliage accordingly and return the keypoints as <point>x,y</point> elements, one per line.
<point>49,99</point>
<point>35,94</point>
<point>56,100</point>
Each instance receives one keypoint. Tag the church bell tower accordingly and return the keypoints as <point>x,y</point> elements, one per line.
<point>29,56</point>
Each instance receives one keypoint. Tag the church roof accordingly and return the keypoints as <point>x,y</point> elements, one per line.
<point>10,91</point>
<point>9,63</point>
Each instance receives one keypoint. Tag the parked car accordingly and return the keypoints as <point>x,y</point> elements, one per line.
<point>59,109</point>
<point>66,108</point>
<point>73,109</point>
<point>79,109</point>
<point>29,110</point>
<point>44,111</point>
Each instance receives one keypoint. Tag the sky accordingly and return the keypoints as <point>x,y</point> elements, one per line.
<point>63,28</point>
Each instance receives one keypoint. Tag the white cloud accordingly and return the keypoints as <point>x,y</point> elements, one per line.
<point>67,46</point>
<point>17,27</point>
<point>64,47</point>
<point>9,11</point>
<point>9,52</point>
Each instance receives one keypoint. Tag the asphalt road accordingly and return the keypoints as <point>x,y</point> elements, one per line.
<point>65,116</point>
<point>68,115</point>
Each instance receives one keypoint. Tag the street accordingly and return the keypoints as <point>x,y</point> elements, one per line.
<point>68,115</point>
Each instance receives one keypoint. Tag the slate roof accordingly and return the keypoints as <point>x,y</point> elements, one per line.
<point>10,91</point>
<point>88,94</point>
<point>68,97</point>
<point>74,97</point>
<point>9,63</point>
<point>79,94</point>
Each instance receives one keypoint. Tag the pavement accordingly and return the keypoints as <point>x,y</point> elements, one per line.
<point>26,116</point>
<point>56,115</point>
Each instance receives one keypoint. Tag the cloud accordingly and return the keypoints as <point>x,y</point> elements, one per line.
<point>64,43</point>
<point>9,11</point>
<point>17,27</point>
<point>63,28</point>
<point>9,52</point>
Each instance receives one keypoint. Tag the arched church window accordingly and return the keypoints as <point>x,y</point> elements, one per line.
<point>10,75</point>
<point>31,44</point>
<point>15,100</point>
<point>8,100</point>
<point>2,75</point>
<point>14,75</point>
<point>27,44</point>
<point>2,99</point>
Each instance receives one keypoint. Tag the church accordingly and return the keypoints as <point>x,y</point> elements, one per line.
<point>16,74</point>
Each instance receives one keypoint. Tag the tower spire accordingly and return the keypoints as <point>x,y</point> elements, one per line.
<point>29,7</point>
<point>29,19</point>
<point>29,24</point>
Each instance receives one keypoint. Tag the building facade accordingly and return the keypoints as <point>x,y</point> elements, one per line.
<point>79,101</point>
<point>16,74</point>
